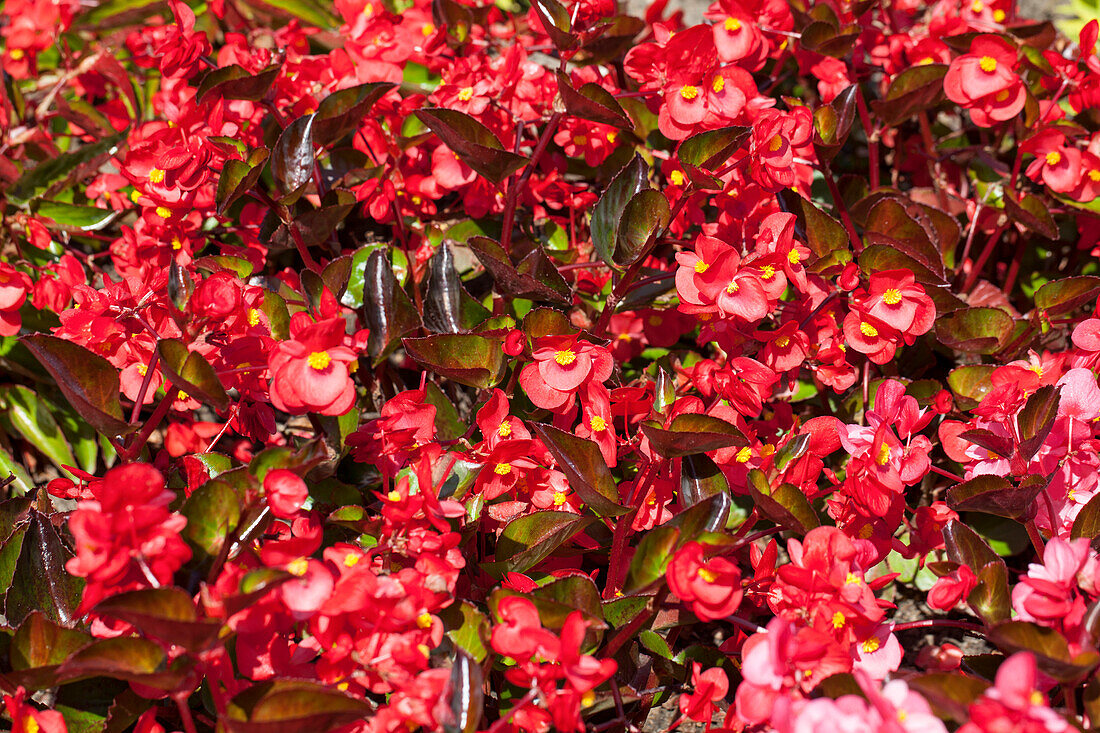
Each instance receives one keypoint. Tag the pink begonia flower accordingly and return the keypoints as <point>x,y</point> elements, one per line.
<point>1080,395</point>
<point>1048,591</point>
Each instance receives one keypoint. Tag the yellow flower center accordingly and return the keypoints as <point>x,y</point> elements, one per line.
<point>1094,175</point>
<point>142,369</point>
<point>319,360</point>
<point>677,178</point>
<point>427,29</point>
<point>177,245</point>
<point>424,620</point>
<point>733,287</point>
<point>1036,698</point>
<point>718,84</point>
<point>163,212</point>
<point>394,495</point>
<point>565,357</point>
<point>866,531</point>
<point>870,646</point>
<point>612,136</point>
<point>775,143</point>
<point>851,579</point>
<point>30,725</point>
<point>883,454</point>
<point>298,567</point>
<point>988,64</point>
<point>466,94</point>
<point>708,576</point>
<point>1054,157</point>
<point>580,140</point>
<point>17,54</point>
<point>253,317</point>
<point>998,16</point>
<point>838,620</point>
<point>701,267</point>
<point>977,6</point>
<point>891,297</point>
<point>868,330</point>
<point>182,396</point>
<point>156,175</point>
<point>559,498</point>
<point>503,469</point>
<point>767,272</point>
<point>689,92</point>
<point>732,25</point>
<point>351,561</point>
<point>597,423</point>
<point>782,342</point>
<point>744,455</point>
<point>505,429</point>
<point>588,699</point>
<point>793,257</point>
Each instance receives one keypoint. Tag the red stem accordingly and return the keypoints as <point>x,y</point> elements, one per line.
<point>940,622</point>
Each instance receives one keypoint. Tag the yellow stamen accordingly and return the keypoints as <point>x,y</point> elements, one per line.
<point>319,360</point>
<point>891,297</point>
<point>708,576</point>
<point>424,620</point>
<point>503,469</point>
<point>732,24</point>
<point>565,357</point>
<point>163,212</point>
<point>838,620</point>
<point>883,454</point>
<point>560,498</point>
<point>744,455</point>
<point>253,317</point>
<point>689,92</point>
<point>868,330</point>
<point>782,342</point>
<point>597,423</point>
<point>298,567</point>
<point>351,561</point>
<point>505,429</point>
<point>1054,157</point>
<point>988,64</point>
<point>718,84</point>
<point>156,175</point>
<point>677,178</point>
<point>394,495</point>
<point>870,646</point>
<point>466,94</point>
<point>775,143</point>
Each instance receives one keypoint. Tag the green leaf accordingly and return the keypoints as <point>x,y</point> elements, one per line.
<point>309,12</point>
<point>341,112</point>
<point>238,177</point>
<point>692,433</point>
<point>1050,648</point>
<point>212,512</point>
<point>293,156</point>
<point>124,657</point>
<point>583,464</point>
<point>528,540</point>
<point>465,358</point>
<point>975,330</point>
<point>651,557</point>
<point>468,628</point>
<point>557,23</point>
<point>993,495</point>
<point>1031,213</point>
<point>473,142</point>
<point>535,277</point>
<point>592,102</point>
<point>896,223</point>
<point>912,91</point>
<point>971,382</point>
<point>608,213</point>
<point>700,478</point>
<point>10,467</point>
<point>191,372</point>
<point>30,417</point>
<point>785,504</point>
<point>645,216</point>
<point>39,642</point>
<point>1087,523</point>
<point>88,381</point>
<point>57,168</point>
<point>1036,420</point>
<point>1068,294</point>
<point>390,313</point>
<point>40,582</point>
<point>236,82</point>
<point>85,218</point>
<point>286,706</point>
<point>705,152</point>
<point>163,613</point>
